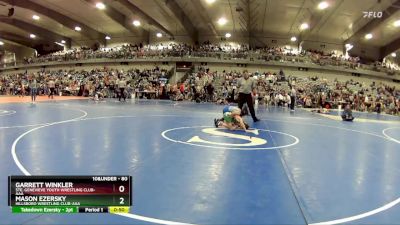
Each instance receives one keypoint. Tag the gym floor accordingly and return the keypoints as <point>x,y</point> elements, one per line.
<point>293,168</point>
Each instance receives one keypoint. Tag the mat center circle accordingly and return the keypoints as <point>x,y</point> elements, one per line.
<point>219,138</point>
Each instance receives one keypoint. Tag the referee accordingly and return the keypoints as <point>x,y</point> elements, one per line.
<point>245,86</point>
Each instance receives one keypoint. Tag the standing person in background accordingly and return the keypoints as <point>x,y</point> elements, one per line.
<point>22,92</point>
<point>281,75</point>
<point>347,114</point>
<point>210,92</point>
<point>233,93</point>
<point>287,100</point>
<point>182,88</point>
<point>246,86</point>
<point>122,86</point>
<point>292,98</point>
<point>51,85</point>
<point>33,85</point>
<point>12,91</point>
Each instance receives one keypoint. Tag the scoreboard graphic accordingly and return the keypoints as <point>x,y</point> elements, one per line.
<point>70,194</point>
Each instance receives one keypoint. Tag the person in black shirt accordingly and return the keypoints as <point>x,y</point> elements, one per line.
<point>347,114</point>
<point>210,92</point>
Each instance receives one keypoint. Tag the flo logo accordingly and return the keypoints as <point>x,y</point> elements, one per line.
<point>210,137</point>
<point>372,14</point>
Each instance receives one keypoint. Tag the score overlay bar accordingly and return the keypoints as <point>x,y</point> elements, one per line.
<point>69,209</point>
<point>67,194</point>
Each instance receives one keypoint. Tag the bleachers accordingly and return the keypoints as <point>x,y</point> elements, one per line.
<point>277,57</point>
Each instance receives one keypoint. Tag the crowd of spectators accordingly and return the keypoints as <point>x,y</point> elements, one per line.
<point>371,97</point>
<point>312,92</point>
<point>219,51</point>
<point>102,82</point>
<point>139,51</point>
<point>212,86</point>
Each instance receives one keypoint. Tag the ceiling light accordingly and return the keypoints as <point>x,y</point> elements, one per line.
<point>32,36</point>
<point>108,37</point>
<point>62,41</point>
<point>304,26</point>
<point>210,1</point>
<point>100,5</point>
<point>323,5</point>
<point>78,28</point>
<point>228,35</point>
<point>394,54</point>
<point>59,44</point>
<point>222,21</point>
<point>397,23</point>
<point>159,35</point>
<point>1,43</point>
<point>293,39</point>
<point>136,23</point>
<point>35,17</point>
<point>368,36</point>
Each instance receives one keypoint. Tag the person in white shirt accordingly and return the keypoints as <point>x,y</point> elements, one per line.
<point>292,98</point>
<point>51,84</point>
<point>33,85</point>
<point>281,99</point>
<point>287,100</point>
<point>366,100</point>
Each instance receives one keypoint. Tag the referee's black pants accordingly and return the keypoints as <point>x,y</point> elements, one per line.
<point>247,98</point>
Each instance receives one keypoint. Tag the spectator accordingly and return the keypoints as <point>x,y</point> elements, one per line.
<point>33,88</point>
<point>347,114</point>
<point>121,87</point>
<point>292,98</point>
<point>51,86</point>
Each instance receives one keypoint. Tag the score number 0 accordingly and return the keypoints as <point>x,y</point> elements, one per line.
<point>121,199</point>
<point>122,189</point>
